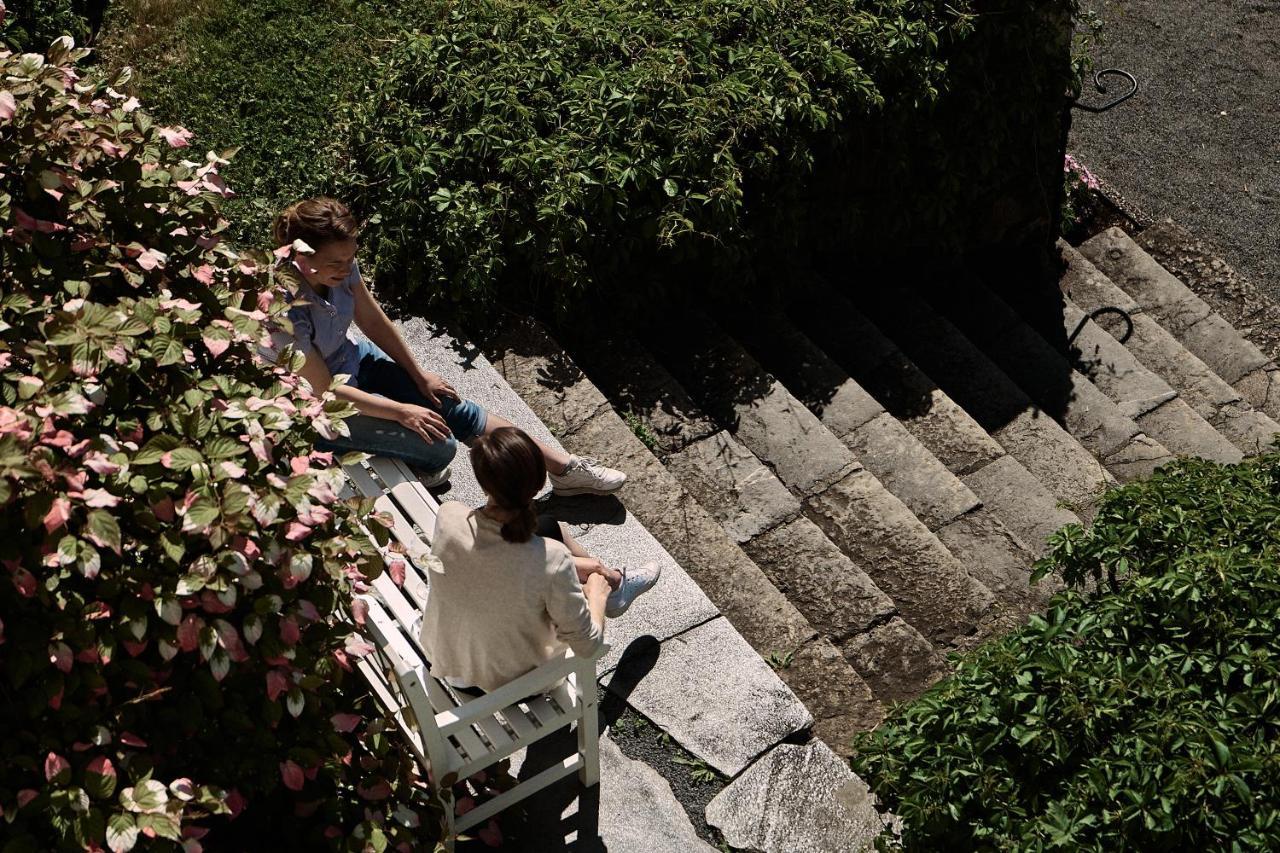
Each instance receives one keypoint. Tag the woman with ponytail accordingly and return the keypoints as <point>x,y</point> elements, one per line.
<point>512,589</point>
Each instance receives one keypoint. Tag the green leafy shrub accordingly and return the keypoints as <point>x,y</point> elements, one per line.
<point>33,24</point>
<point>266,77</point>
<point>565,143</point>
<point>1141,716</point>
<point>174,558</point>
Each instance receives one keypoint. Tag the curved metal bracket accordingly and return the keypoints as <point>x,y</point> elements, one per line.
<point>1099,83</point>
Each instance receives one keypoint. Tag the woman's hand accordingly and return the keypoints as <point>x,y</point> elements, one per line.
<point>433,387</point>
<point>596,587</point>
<point>426,423</point>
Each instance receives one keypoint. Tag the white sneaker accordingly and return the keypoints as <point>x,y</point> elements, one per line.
<point>635,582</point>
<point>433,480</point>
<point>586,476</point>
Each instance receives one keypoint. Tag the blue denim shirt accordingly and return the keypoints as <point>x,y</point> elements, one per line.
<point>320,323</point>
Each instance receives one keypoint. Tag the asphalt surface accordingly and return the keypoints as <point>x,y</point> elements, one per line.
<point>1201,141</point>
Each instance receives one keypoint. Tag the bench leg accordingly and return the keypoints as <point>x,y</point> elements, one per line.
<point>589,727</point>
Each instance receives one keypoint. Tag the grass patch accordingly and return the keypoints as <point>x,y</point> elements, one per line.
<point>270,78</point>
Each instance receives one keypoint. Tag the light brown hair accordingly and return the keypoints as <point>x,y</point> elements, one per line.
<point>315,221</point>
<point>510,468</point>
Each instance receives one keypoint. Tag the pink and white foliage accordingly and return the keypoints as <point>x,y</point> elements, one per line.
<point>174,486</point>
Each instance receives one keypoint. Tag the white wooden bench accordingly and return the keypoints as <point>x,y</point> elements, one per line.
<point>452,734</point>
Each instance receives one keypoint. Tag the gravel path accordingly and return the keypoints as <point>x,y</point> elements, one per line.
<point>1201,141</point>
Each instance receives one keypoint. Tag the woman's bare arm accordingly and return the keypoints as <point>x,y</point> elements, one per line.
<point>428,424</point>
<point>375,323</point>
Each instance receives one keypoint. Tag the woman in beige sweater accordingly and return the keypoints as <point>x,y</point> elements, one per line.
<point>506,600</point>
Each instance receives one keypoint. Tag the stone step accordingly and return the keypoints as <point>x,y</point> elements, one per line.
<point>797,799</point>
<point>1153,404</point>
<point>976,382</point>
<point>766,519</point>
<point>1160,352</point>
<point>931,589</point>
<point>1188,318</point>
<point>558,392</point>
<point>1024,504</point>
<point>948,507</point>
<point>1240,302</point>
<point>1049,379</point>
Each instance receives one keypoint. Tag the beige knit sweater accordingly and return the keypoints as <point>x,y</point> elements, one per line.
<point>497,609</point>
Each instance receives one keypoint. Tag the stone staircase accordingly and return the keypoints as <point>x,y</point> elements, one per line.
<point>861,489</point>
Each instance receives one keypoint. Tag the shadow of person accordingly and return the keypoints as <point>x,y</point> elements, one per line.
<point>583,510</point>
<point>565,816</point>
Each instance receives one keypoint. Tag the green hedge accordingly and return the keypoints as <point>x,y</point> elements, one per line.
<point>269,78</point>
<point>31,25</point>
<point>565,143</point>
<point>534,150</point>
<point>1146,716</point>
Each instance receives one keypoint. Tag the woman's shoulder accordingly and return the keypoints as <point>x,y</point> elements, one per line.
<point>452,511</point>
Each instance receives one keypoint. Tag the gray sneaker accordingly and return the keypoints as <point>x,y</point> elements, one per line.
<point>635,582</point>
<point>586,476</point>
<point>433,479</point>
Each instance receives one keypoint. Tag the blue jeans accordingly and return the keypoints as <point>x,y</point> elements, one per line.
<point>380,375</point>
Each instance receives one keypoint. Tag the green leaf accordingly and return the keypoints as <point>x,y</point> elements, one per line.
<point>122,832</point>
<point>103,529</point>
<point>163,825</point>
<point>182,458</point>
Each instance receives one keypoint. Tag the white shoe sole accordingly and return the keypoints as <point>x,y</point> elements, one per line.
<point>435,480</point>
<point>584,490</point>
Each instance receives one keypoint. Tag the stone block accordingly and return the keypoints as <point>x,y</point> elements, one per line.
<point>877,364</point>
<point>1055,458</point>
<point>841,701</point>
<point>895,660</point>
<point>809,374</point>
<point>1088,288</point>
<point>1181,429</point>
<point>1138,459</point>
<point>782,432</point>
<point>1196,264</point>
<point>1161,353</point>
<point>1262,389</point>
<point>536,368</point>
<point>950,433</point>
<point>932,591</point>
<point>730,579</point>
<point>995,556</point>
<point>1234,357</point>
<point>907,469</point>
<point>640,387</point>
<point>1021,501</point>
<point>1188,317</point>
<point>833,593</point>
<point>674,605</point>
<point>638,812</point>
<point>714,695</point>
<point>1114,369</point>
<point>1245,427</point>
<point>1137,274</point>
<point>733,485</point>
<point>797,799</point>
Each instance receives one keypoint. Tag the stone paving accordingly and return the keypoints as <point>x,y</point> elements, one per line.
<point>811,576</point>
<point>1161,353</point>
<point>1190,319</point>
